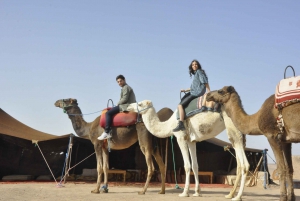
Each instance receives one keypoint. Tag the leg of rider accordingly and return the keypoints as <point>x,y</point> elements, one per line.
<point>109,117</point>
<point>181,112</point>
<point>184,102</point>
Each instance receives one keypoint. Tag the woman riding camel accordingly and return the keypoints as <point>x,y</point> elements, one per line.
<point>197,89</point>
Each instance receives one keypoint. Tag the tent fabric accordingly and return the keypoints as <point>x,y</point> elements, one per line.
<point>12,127</point>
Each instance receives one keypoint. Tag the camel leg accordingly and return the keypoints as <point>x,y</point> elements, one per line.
<point>187,166</point>
<point>162,170</point>
<point>238,178</point>
<point>150,166</point>
<point>98,151</point>
<point>287,150</point>
<point>105,157</point>
<point>242,171</point>
<point>145,142</point>
<point>277,150</point>
<point>193,154</point>
<point>238,142</point>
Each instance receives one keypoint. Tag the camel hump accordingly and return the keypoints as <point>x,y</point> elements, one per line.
<point>164,114</point>
<point>120,119</point>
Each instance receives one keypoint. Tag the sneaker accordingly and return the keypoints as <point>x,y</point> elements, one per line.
<point>104,135</point>
<point>180,127</point>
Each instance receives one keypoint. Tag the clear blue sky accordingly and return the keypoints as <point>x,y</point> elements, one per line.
<point>51,50</point>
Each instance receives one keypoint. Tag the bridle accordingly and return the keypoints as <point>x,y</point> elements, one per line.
<point>65,106</point>
<point>139,111</point>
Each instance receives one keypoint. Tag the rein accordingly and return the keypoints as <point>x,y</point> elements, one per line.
<point>64,107</point>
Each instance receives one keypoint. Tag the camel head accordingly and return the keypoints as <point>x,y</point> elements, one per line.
<point>66,103</point>
<point>140,107</point>
<point>221,95</point>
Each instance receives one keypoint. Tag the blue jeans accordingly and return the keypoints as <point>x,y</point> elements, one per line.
<point>109,117</point>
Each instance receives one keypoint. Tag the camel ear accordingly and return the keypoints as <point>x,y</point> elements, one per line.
<point>230,89</point>
<point>73,100</point>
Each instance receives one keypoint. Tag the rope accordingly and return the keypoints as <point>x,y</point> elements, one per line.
<point>271,158</point>
<point>67,160</point>
<point>176,186</point>
<point>86,114</point>
<point>78,164</point>
<point>36,143</point>
<point>59,184</point>
<point>227,148</point>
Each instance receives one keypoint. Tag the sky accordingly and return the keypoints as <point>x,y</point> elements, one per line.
<point>50,50</point>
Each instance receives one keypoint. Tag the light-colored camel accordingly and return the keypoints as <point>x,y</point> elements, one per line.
<point>264,122</point>
<point>199,127</point>
<point>122,138</point>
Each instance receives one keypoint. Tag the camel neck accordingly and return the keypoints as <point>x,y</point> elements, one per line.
<point>80,126</point>
<point>247,124</point>
<point>156,127</point>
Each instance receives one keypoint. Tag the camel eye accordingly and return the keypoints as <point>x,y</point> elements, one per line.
<point>220,92</point>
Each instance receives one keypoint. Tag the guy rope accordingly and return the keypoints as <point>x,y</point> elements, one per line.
<point>66,165</point>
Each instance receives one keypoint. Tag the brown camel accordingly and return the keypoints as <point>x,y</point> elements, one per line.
<point>264,122</point>
<point>122,138</point>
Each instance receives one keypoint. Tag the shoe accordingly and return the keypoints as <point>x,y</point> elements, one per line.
<point>104,135</point>
<point>180,127</point>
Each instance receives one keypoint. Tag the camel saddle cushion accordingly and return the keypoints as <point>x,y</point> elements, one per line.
<point>120,119</point>
<point>287,92</point>
<point>195,107</point>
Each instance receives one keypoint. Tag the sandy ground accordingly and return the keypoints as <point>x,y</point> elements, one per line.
<point>81,191</point>
<point>34,191</point>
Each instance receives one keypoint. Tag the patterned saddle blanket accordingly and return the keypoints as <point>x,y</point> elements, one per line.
<point>120,119</point>
<point>287,91</point>
<point>195,107</point>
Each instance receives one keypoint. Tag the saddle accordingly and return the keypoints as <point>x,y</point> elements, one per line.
<point>119,120</point>
<point>287,91</point>
<point>195,107</point>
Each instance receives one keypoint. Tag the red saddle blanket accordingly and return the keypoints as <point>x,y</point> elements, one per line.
<point>287,92</point>
<point>120,119</point>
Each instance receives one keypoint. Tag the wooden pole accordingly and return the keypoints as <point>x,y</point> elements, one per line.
<point>252,180</point>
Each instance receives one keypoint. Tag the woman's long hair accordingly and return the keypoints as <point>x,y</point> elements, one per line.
<point>192,72</point>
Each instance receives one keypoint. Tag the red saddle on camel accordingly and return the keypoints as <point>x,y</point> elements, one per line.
<point>120,119</point>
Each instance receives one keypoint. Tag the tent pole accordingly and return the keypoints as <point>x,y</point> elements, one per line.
<point>68,157</point>
<point>166,158</point>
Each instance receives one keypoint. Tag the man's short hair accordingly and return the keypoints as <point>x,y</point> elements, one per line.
<point>120,77</point>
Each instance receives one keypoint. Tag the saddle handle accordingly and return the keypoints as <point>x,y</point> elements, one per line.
<point>111,102</point>
<point>287,68</point>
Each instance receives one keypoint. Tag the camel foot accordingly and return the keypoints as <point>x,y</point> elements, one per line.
<point>95,191</point>
<point>236,199</point>
<point>283,197</point>
<point>197,195</point>
<point>184,195</point>
<point>291,197</point>
<point>161,192</point>
<point>229,196</point>
<point>141,193</point>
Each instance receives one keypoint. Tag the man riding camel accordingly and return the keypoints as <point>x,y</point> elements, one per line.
<point>127,97</point>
